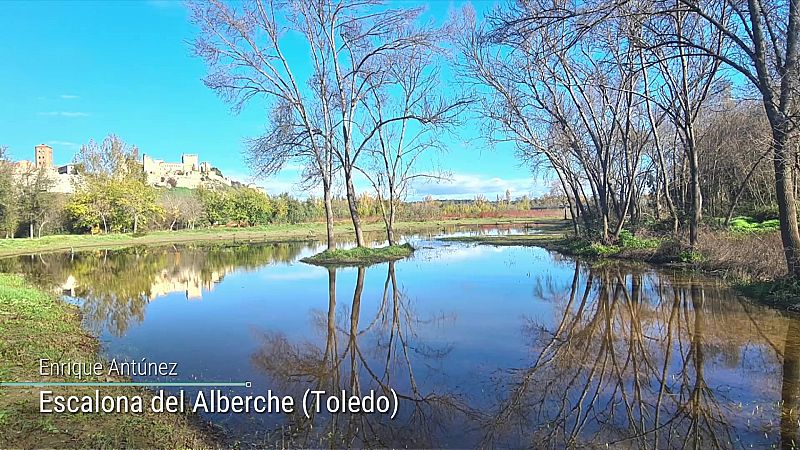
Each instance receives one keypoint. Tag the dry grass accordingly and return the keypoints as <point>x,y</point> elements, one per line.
<point>744,256</point>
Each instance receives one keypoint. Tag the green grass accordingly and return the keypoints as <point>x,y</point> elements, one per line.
<point>360,256</point>
<point>691,256</point>
<point>501,241</point>
<point>34,325</point>
<point>547,231</point>
<point>628,241</point>
<point>274,233</point>
<point>744,224</point>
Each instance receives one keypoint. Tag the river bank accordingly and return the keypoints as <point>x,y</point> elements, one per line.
<point>35,324</point>
<point>273,233</point>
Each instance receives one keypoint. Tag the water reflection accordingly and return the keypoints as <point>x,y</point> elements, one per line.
<point>485,347</point>
<point>623,364</point>
<point>115,287</point>
<point>360,354</point>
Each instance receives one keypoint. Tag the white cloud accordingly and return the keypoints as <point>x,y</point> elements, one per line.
<point>457,186</point>
<point>460,252</point>
<point>63,144</point>
<point>64,114</point>
<point>467,186</point>
<point>68,96</point>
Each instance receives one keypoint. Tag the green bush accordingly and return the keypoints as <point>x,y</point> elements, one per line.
<point>690,256</point>
<point>628,240</point>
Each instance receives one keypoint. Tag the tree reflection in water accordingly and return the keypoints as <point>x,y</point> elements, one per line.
<point>362,354</point>
<point>625,366</point>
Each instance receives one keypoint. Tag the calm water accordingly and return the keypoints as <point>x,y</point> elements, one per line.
<point>485,346</point>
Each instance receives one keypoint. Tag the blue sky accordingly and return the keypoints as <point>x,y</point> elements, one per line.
<point>73,71</point>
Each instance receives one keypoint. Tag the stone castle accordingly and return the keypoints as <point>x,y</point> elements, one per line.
<point>189,173</point>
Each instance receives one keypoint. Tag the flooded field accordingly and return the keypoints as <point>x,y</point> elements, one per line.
<point>483,346</point>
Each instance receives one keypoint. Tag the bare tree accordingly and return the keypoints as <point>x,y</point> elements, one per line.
<point>245,49</point>
<point>353,47</point>
<point>687,82</point>
<point>569,106</point>
<point>410,93</point>
<point>761,44</point>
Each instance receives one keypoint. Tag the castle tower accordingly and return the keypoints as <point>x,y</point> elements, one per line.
<point>44,156</point>
<point>190,162</point>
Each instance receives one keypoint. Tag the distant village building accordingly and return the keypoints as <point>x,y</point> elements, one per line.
<point>61,176</point>
<point>189,173</point>
<point>44,156</point>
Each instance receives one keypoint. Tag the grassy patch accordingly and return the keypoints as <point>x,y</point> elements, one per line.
<point>552,236</point>
<point>628,241</point>
<point>360,256</point>
<point>34,325</point>
<point>744,224</point>
<point>547,232</point>
<point>691,256</point>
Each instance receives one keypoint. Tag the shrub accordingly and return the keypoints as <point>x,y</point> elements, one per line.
<point>690,256</point>
<point>628,240</point>
<point>744,255</point>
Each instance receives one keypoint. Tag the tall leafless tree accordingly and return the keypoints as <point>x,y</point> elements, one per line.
<point>245,47</point>
<point>354,46</point>
<point>411,91</point>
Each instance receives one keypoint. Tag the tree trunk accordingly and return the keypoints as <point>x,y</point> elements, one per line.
<point>787,205</point>
<point>690,143</point>
<point>696,196</point>
<point>30,227</point>
<point>328,215</point>
<point>135,223</point>
<point>390,227</point>
<point>352,203</point>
